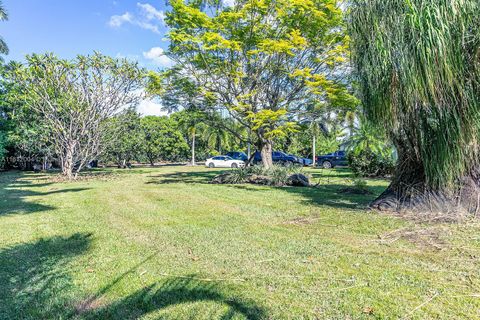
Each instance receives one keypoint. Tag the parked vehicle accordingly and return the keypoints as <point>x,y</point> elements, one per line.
<point>224,162</point>
<point>306,161</point>
<point>332,160</point>
<point>279,158</point>
<point>237,155</point>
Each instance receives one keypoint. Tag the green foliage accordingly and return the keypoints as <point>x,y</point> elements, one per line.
<point>367,163</point>
<point>26,136</point>
<point>74,99</point>
<point>162,139</point>
<point>275,175</point>
<point>124,139</point>
<point>360,184</point>
<point>370,138</point>
<point>260,60</point>
<point>420,80</point>
<point>3,148</point>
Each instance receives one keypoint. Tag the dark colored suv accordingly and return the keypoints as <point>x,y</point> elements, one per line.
<point>237,155</point>
<point>331,160</point>
<point>279,158</point>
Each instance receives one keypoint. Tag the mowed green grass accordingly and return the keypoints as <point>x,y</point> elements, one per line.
<point>163,243</point>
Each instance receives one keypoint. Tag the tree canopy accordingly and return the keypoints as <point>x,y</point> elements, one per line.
<point>260,60</point>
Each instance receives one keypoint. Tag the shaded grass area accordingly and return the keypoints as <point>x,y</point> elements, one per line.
<point>164,243</point>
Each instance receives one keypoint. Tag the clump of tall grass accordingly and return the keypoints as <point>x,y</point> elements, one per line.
<point>276,175</point>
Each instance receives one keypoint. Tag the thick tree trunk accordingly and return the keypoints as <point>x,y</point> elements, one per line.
<point>408,190</point>
<point>266,152</point>
<point>67,161</point>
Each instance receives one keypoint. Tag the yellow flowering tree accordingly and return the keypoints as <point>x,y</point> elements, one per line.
<point>261,60</point>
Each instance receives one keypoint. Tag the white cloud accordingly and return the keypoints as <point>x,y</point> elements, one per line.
<point>157,55</point>
<point>151,13</point>
<point>118,21</point>
<point>148,26</point>
<point>229,3</point>
<point>149,107</point>
<point>149,18</point>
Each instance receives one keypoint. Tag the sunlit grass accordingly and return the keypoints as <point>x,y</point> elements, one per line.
<point>163,243</point>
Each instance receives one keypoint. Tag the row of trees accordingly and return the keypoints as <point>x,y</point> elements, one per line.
<point>181,136</point>
<point>238,88</point>
<point>275,67</point>
<point>269,65</point>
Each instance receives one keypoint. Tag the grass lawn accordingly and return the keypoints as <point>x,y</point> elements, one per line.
<point>163,243</point>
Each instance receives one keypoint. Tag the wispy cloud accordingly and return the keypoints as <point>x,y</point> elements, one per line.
<point>151,13</point>
<point>148,18</point>
<point>118,21</point>
<point>158,57</point>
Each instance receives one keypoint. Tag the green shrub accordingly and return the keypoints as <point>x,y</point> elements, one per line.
<point>278,175</point>
<point>368,164</point>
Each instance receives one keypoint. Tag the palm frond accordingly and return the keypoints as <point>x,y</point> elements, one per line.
<point>3,12</point>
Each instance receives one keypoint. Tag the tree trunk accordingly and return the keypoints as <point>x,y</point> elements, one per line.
<point>266,152</point>
<point>193,148</point>
<point>67,161</point>
<point>314,150</point>
<point>408,190</point>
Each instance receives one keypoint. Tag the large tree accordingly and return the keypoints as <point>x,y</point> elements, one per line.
<point>75,98</point>
<point>261,60</point>
<point>418,66</point>
<point>162,139</point>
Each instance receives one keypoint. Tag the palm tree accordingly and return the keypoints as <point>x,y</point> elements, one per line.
<point>417,63</point>
<point>217,137</point>
<point>190,121</point>
<point>320,120</point>
<point>3,17</point>
<point>367,137</point>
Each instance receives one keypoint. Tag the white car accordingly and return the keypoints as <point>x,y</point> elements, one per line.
<point>224,162</point>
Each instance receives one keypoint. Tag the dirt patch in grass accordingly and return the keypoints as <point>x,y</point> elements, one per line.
<point>88,305</point>
<point>85,177</point>
<point>424,237</point>
<point>301,221</point>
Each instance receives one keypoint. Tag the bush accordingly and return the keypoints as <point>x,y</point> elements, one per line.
<point>369,164</point>
<point>276,176</point>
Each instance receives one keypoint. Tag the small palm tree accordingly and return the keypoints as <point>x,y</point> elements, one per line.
<point>366,137</point>
<point>3,17</point>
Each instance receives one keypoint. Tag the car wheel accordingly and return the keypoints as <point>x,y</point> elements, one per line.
<point>327,165</point>
<point>234,165</point>
<point>288,163</point>
<point>211,165</point>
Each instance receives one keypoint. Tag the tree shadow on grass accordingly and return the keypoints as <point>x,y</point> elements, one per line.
<point>14,191</point>
<point>176,291</point>
<point>34,277</point>
<point>203,177</point>
<point>36,283</point>
<point>329,193</point>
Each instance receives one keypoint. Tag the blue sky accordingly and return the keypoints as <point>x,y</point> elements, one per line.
<point>119,28</point>
<point>125,28</point>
